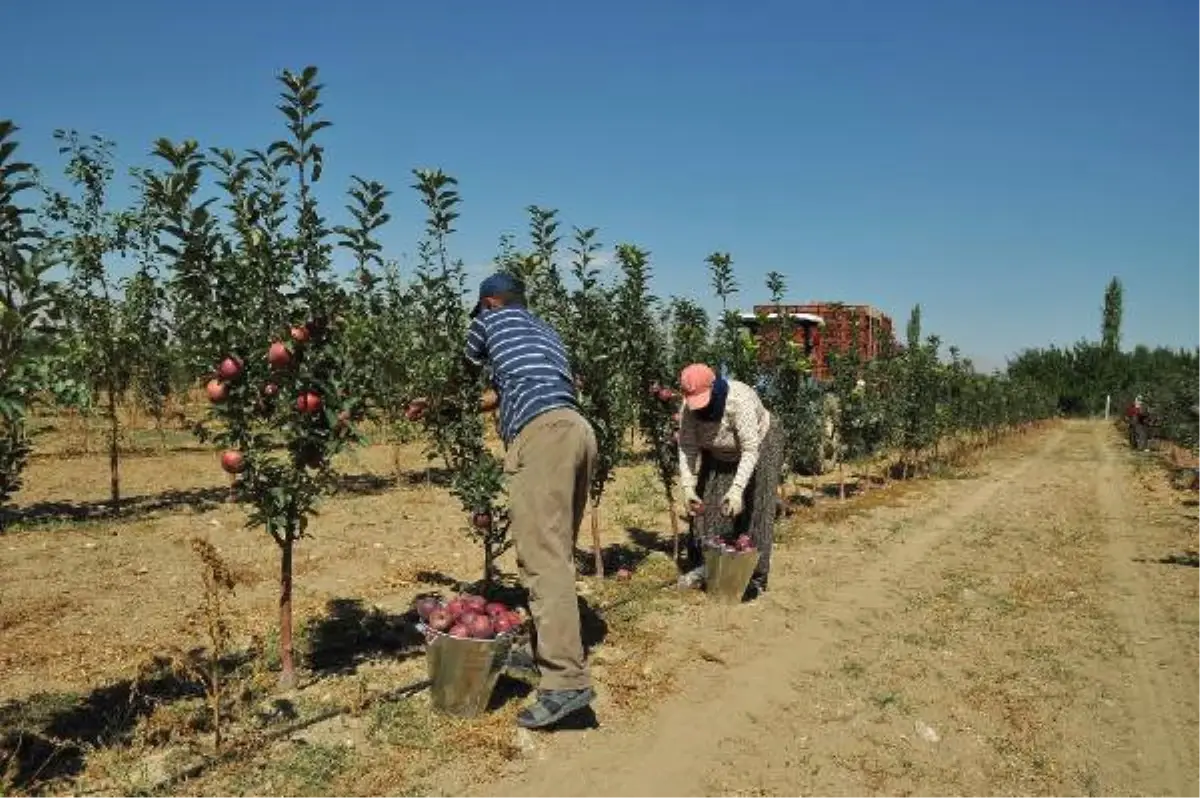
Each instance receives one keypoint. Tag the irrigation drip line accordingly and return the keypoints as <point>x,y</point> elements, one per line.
<point>395,694</point>
<point>244,746</point>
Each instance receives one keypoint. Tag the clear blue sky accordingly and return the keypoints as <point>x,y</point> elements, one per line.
<point>995,161</point>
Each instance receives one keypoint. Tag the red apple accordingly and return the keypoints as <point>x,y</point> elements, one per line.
<point>217,391</point>
<point>515,619</point>
<point>482,520</point>
<point>624,574</point>
<point>232,461</point>
<point>270,389</point>
<point>459,630</point>
<point>441,619</point>
<point>744,543</point>
<point>475,603</point>
<point>415,410</point>
<point>300,334</point>
<point>230,368</point>
<point>426,605</point>
<point>278,355</point>
<point>308,402</point>
<point>456,607</point>
<point>494,609</point>
<point>503,624</point>
<point>480,627</point>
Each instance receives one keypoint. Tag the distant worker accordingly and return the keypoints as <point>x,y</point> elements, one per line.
<point>1137,415</point>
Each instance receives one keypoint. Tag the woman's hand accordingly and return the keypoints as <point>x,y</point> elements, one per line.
<point>731,506</point>
<point>692,501</point>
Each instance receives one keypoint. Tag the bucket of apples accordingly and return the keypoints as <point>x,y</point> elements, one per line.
<point>468,639</point>
<point>728,567</point>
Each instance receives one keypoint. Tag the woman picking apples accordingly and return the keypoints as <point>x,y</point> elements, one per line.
<point>550,453</point>
<point>730,464</point>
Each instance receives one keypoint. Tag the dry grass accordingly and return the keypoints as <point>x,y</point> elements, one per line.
<point>80,605</point>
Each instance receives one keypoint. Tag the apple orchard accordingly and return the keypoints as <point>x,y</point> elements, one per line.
<point>216,288</point>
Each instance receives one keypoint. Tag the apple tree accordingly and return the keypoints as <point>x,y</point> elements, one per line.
<point>593,339</point>
<point>253,286</point>
<point>26,310</point>
<point>446,388</point>
<point>645,362</point>
<point>105,341</point>
<point>733,350</point>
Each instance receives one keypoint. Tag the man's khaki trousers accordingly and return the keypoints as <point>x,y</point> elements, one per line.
<point>549,466</point>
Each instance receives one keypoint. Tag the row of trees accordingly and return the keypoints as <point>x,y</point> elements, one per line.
<point>1091,375</point>
<point>221,274</point>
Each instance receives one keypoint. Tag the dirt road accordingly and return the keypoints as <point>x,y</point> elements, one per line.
<point>1009,633</point>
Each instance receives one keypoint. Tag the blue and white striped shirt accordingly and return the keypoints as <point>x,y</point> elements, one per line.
<point>530,368</point>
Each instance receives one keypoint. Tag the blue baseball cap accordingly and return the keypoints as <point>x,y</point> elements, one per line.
<point>496,285</point>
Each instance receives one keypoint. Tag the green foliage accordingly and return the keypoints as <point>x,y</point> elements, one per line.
<point>254,275</point>
<point>690,339</point>
<point>26,311</point>
<point>645,361</point>
<point>443,377</point>
<point>593,339</point>
<point>733,350</point>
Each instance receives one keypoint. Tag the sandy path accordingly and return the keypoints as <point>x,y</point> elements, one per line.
<point>995,636</point>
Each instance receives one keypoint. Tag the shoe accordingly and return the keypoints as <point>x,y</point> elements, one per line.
<point>757,586</point>
<point>693,578</point>
<point>554,705</point>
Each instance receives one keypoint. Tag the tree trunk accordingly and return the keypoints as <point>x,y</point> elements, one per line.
<point>596,541</point>
<point>114,457</point>
<point>489,559</point>
<point>674,525</point>
<point>287,675</point>
<point>841,480</point>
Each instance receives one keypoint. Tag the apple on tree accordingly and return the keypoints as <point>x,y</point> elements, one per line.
<point>230,368</point>
<point>308,402</point>
<point>233,462</point>
<point>278,355</point>
<point>217,391</point>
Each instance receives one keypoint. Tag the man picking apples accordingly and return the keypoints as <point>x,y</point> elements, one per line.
<point>550,453</point>
<point>731,454</point>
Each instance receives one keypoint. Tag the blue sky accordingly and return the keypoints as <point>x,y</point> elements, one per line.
<point>995,161</point>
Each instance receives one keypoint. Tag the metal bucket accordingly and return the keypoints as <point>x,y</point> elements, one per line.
<point>463,671</point>
<point>727,574</point>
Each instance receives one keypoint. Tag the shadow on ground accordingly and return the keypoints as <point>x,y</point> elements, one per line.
<point>1190,559</point>
<point>44,737</point>
<point>350,633</point>
<point>196,500</point>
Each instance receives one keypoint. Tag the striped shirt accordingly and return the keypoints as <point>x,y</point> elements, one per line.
<point>737,435</point>
<point>529,364</point>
